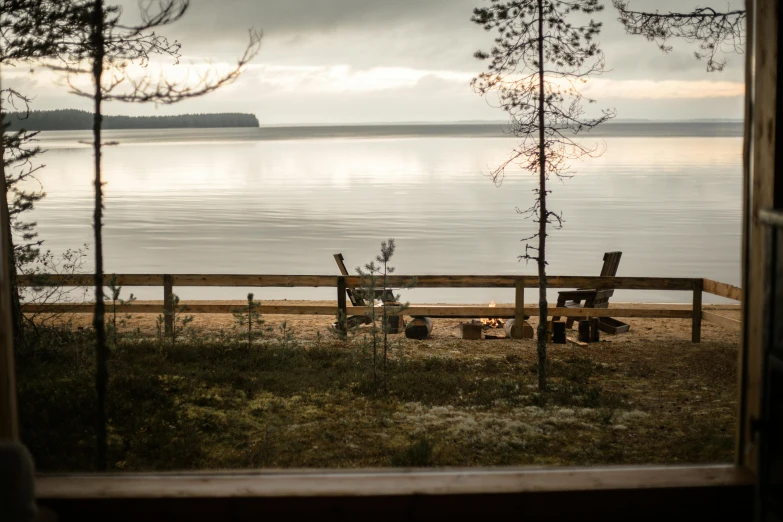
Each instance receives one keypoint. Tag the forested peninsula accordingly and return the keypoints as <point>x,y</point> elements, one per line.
<point>72,119</point>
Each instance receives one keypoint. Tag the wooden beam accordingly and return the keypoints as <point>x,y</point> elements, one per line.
<point>342,314</point>
<point>519,309</point>
<point>698,287</point>
<point>426,311</point>
<point>747,204</point>
<point>509,312</point>
<point>721,320</point>
<point>765,165</point>
<point>168,305</point>
<point>157,308</point>
<point>723,289</point>
<point>382,483</point>
<point>426,281</point>
<point>458,281</point>
<point>281,281</point>
<point>88,280</point>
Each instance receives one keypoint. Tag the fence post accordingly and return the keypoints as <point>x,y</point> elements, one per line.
<point>519,310</point>
<point>342,312</point>
<point>168,303</point>
<point>698,288</point>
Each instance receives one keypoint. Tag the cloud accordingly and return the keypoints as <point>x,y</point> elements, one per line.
<point>347,79</point>
<point>431,34</point>
<point>363,60</point>
<point>667,89</point>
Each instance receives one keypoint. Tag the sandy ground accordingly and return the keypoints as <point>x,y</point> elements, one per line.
<point>445,332</point>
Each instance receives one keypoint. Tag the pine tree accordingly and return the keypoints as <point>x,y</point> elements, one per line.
<point>538,60</point>
<point>108,44</point>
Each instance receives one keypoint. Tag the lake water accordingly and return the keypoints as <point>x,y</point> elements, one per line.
<point>284,200</point>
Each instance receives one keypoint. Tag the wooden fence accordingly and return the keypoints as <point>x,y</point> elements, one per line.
<point>697,286</point>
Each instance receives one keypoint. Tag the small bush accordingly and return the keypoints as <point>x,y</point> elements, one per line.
<point>419,454</point>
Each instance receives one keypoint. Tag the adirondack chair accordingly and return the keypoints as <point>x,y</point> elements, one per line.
<point>593,298</point>
<point>384,294</point>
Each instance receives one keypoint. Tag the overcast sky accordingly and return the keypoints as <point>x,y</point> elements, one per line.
<point>341,61</point>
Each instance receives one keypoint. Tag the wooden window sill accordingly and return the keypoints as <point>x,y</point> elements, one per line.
<point>341,483</point>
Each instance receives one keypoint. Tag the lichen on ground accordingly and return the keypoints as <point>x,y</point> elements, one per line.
<point>213,402</point>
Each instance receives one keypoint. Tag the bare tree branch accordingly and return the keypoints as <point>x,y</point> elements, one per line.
<point>716,33</point>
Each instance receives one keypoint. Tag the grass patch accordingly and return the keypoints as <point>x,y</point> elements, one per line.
<point>419,454</point>
<point>212,404</point>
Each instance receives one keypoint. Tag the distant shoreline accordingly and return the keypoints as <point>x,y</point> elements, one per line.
<point>696,129</point>
<point>76,120</point>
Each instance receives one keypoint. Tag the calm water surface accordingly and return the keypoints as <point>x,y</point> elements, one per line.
<point>240,201</point>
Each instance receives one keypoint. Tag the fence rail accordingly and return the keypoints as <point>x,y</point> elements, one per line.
<point>168,281</point>
<point>723,290</point>
<point>502,312</point>
<point>397,281</point>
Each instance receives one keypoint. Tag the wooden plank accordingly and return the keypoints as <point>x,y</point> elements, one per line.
<point>157,308</point>
<point>747,156</point>
<point>698,287</point>
<point>611,263</point>
<point>342,313</point>
<point>721,320</point>
<point>341,264</point>
<point>723,289</point>
<point>280,281</point>
<point>168,304</point>
<point>672,504</point>
<point>519,312</point>
<point>765,166</point>
<point>509,312</point>
<point>344,483</point>
<point>88,280</point>
<point>478,281</point>
<point>397,281</point>
<point>424,311</point>
<point>355,301</point>
<point>187,280</point>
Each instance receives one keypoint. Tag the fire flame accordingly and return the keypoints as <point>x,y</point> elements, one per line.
<point>492,322</point>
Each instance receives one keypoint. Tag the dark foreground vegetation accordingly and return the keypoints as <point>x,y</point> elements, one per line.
<point>72,119</point>
<point>213,401</point>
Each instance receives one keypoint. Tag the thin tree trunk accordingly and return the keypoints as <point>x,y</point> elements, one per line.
<point>101,351</point>
<point>385,326</point>
<point>9,429</point>
<point>542,304</point>
<point>17,319</point>
<point>374,334</point>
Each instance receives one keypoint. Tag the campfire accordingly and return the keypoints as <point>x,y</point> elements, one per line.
<point>492,322</point>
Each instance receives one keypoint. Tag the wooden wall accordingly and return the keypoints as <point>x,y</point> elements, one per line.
<point>762,171</point>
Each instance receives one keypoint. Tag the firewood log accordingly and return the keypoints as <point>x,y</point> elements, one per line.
<point>419,328</point>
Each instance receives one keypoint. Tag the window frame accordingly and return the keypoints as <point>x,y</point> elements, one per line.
<point>57,489</point>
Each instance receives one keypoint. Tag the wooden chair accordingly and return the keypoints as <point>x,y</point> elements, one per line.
<point>384,294</point>
<point>593,298</point>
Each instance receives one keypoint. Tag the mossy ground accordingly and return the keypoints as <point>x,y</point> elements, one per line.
<point>213,402</point>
